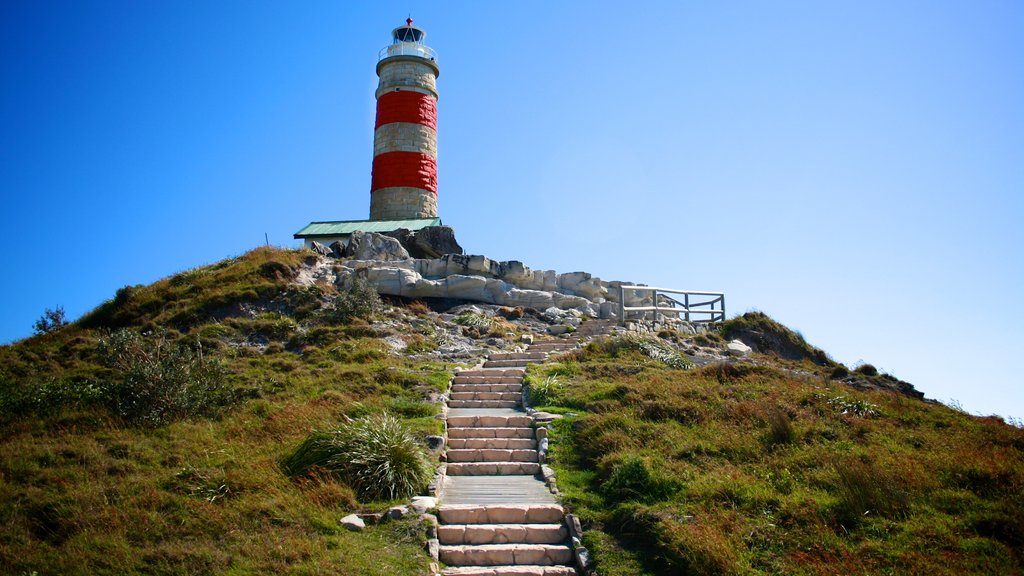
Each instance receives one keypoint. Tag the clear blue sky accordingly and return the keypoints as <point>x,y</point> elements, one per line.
<point>854,169</point>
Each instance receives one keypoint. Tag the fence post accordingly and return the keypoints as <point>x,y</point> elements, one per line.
<point>622,305</point>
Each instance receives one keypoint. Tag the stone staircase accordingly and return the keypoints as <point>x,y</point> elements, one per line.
<point>497,518</point>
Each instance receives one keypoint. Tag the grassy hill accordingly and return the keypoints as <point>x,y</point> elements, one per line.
<point>147,438</point>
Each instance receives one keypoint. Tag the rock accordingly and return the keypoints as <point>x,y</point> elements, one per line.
<point>557,329</point>
<point>435,241</point>
<point>435,443</point>
<point>737,348</point>
<point>433,548</point>
<point>582,558</point>
<point>398,512</point>
<point>420,504</point>
<point>429,242</point>
<point>541,433</point>
<point>373,246</point>
<point>319,248</point>
<point>372,517</point>
<point>353,522</point>
<point>526,338</point>
<point>337,249</point>
<point>573,524</point>
<point>431,523</point>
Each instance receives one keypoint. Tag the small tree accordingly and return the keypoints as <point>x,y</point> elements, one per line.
<point>51,320</point>
<point>359,301</point>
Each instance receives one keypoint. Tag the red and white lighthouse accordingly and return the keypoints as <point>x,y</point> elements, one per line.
<point>404,180</point>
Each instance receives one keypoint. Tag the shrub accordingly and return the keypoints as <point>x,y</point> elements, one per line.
<point>376,455</point>
<point>161,381</point>
<point>867,370</point>
<point>359,301</point>
<point>50,320</point>
<point>634,478</point>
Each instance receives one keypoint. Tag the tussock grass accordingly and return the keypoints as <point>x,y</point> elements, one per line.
<point>87,489</point>
<point>760,469</point>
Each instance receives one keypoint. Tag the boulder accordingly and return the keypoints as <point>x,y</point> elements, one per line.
<point>337,249</point>
<point>398,512</point>
<point>421,504</point>
<point>319,248</point>
<point>373,246</point>
<point>738,348</point>
<point>353,522</point>
<point>429,242</point>
<point>435,443</point>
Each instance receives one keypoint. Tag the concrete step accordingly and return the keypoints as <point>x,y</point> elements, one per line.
<point>498,443</point>
<point>509,387</point>
<point>507,373</point>
<point>454,534</point>
<point>501,514</point>
<point>499,554</point>
<point>518,420</point>
<point>531,355</point>
<point>508,363</point>
<point>490,432</point>
<point>491,455</point>
<point>509,571</point>
<point>484,395</point>
<point>483,403</point>
<point>553,347</point>
<point>492,468</point>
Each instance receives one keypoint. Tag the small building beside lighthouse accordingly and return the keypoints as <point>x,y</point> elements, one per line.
<point>403,181</point>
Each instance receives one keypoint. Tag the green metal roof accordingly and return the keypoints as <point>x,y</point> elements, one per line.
<point>345,227</point>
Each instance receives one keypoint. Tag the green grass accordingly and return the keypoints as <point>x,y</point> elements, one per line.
<point>760,469</point>
<point>84,490</point>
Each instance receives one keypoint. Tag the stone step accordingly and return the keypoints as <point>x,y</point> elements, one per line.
<point>453,534</point>
<point>491,455</point>
<point>499,554</point>
<point>490,432</point>
<point>509,571</point>
<point>501,514</point>
<point>483,403</point>
<point>499,443</point>
<point>553,347</point>
<point>508,363</point>
<point>507,373</point>
<point>510,387</point>
<point>492,468</point>
<point>517,420</point>
<point>487,379</point>
<point>531,355</point>
<point>484,395</point>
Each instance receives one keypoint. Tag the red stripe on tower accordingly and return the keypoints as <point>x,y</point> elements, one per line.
<point>412,107</point>
<point>407,169</point>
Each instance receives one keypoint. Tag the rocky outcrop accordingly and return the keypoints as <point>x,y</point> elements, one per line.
<point>429,242</point>
<point>480,279</point>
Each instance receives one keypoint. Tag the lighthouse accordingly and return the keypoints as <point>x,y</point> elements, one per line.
<point>403,181</point>
<point>404,175</point>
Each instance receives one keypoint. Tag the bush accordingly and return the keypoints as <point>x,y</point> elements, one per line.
<point>634,478</point>
<point>359,301</point>
<point>161,381</point>
<point>376,455</point>
<point>867,370</point>
<point>50,320</point>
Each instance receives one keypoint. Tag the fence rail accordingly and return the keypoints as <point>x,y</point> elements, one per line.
<point>709,310</point>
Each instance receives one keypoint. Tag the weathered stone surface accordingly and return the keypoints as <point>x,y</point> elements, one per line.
<point>319,248</point>
<point>738,348</point>
<point>435,443</point>
<point>373,246</point>
<point>353,522</point>
<point>337,249</point>
<point>433,547</point>
<point>421,504</point>
<point>398,512</point>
